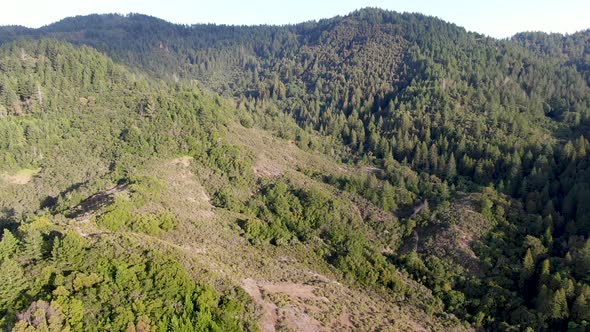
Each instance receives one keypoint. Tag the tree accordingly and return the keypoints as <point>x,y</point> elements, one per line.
<point>545,274</point>
<point>544,300</point>
<point>451,170</point>
<point>13,283</point>
<point>582,262</point>
<point>559,308</point>
<point>33,245</point>
<point>581,307</point>
<point>8,245</point>
<point>528,268</point>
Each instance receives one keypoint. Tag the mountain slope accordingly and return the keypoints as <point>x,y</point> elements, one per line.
<point>71,119</point>
<point>123,175</point>
<point>465,170</point>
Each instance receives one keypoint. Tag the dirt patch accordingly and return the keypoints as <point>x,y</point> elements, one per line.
<point>21,177</point>
<point>192,250</point>
<point>300,321</point>
<point>269,317</point>
<point>450,235</point>
<point>344,320</point>
<point>184,161</point>
<point>264,167</point>
<point>295,314</point>
<point>415,326</point>
<point>321,277</point>
<point>275,157</point>
<point>374,170</point>
<point>292,290</point>
<point>186,197</point>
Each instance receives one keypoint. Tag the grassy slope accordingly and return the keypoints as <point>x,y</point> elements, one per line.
<point>291,284</point>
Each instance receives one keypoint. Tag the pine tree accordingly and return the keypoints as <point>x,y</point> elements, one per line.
<point>33,246</point>
<point>582,262</point>
<point>545,274</point>
<point>543,300</point>
<point>559,308</point>
<point>9,245</point>
<point>451,170</point>
<point>528,266</point>
<point>581,307</point>
<point>13,283</point>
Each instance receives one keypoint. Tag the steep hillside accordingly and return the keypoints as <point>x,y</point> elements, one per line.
<point>113,183</point>
<point>76,124</point>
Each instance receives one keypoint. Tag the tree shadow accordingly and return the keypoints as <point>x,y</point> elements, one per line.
<point>8,220</point>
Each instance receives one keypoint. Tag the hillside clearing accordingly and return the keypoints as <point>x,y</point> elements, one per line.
<point>21,177</point>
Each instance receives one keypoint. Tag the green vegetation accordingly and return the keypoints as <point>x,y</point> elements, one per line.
<point>286,214</point>
<point>88,125</point>
<point>461,184</point>
<point>105,283</point>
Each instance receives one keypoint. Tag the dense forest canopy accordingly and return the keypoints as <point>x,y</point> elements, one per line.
<point>469,157</point>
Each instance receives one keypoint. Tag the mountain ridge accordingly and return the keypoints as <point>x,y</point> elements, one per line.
<point>362,12</point>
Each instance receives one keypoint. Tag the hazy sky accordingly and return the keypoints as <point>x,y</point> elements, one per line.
<point>498,18</point>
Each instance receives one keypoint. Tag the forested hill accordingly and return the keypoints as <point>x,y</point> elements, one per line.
<point>486,140</point>
<point>568,50</point>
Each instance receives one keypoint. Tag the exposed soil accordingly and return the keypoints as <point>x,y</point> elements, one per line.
<point>268,319</point>
<point>295,315</point>
<point>186,197</point>
<point>265,168</point>
<point>21,177</point>
<point>374,170</point>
